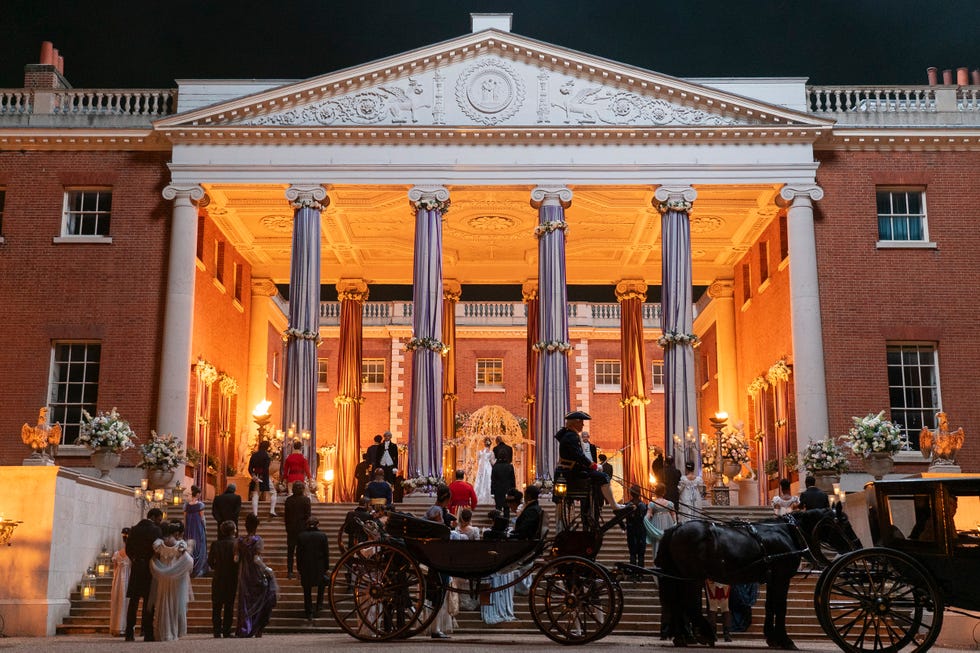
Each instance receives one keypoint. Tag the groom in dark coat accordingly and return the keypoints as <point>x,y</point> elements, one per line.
<point>139,549</point>
<point>502,475</point>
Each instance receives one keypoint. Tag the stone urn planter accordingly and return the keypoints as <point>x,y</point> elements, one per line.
<point>879,464</point>
<point>731,469</point>
<point>105,460</point>
<point>158,478</point>
<point>826,479</point>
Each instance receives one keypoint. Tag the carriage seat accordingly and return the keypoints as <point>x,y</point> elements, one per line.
<point>579,485</point>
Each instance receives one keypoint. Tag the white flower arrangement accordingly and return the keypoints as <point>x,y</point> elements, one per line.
<point>427,343</point>
<point>779,371</point>
<point>682,206</point>
<point>734,445</point>
<point>206,372</point>
<point>432,204</point>
<point>299,334</point>
<point>552,345</point>
<point>105,431</point>
<point>874,434</point>
<point>708,446</point>
<point>824,455</point>
<point>546,484</point>
<point>163,452</point>
<point>227,385</point>
<point>671,338</point>
<point>550,226</point>
<point>422,483</point>
<point>758,385</point>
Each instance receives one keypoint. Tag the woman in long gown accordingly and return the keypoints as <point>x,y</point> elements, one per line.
<point>660,512</point>
<point>691,487</point>
<point>171,568</point>
<point>120,581</point>
<point>484,463</point>
<point>257,588</point>
<point>194,516</point>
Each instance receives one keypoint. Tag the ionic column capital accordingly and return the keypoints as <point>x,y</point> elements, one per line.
<point>791,194</point>
<point>529,290</point>
<point>551,196</point>
<point>631,289</point>
<point>674,198</point>
<point>180,192</point>
<point>264,288</point>
<point>722,289</point>
<point>429,198</point>
<point>352,290</point>
<point>307,196</point>
<point>451,290</point>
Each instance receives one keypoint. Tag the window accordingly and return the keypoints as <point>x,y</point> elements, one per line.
<point>373,374</point>
<point>913,388</point>
<point>783,238</point>
<point>237,281</point>
<point>87,213</point>
<point>901,214</point>
<point>219,261</point>
<point>73,385</point>
<point>321,375</point>
<point>657,377</point>
<point>489,373</point>
<point>200,239</point>
<point>276,369</point>
<point>607,375</point>
<point>763,262</point>
<point>746,283</point>
<point>3,198</point>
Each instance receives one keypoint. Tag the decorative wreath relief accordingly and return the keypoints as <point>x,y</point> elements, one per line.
<point>675,205</point>
<point>427,343</point>
<point>432,204</point>
<point>549,226</point>
<point>671,338</point>
<point>552,345</point>
<point>298,334</point>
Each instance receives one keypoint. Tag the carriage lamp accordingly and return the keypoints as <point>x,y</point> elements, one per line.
<point>88,585</point>
<point>719,493</point>
<point>561,485</point>
<point>102,563</point>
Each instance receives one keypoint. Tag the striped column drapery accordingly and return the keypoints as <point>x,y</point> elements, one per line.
<point>636,469</point>
<point>303,331</point>
<point>552,388</point>
<point>352,293</point>
<point>451,292</point>
<point>430,203</point>
<point>678,339</point>
<point>207,375</point>
<point>529,292</point>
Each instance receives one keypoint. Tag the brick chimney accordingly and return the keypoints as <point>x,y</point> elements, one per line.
<point>49,73</point>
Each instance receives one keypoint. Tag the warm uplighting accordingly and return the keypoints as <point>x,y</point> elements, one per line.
<point>88,585</point>
<point>144,483</point>
<point>158,495</point>
<point>719,493</point>
<point>262,408</point>
<point>103,563</point>
<point>328,475</point>
<point>721,416</point>
<point>261,417</point>
<point>304,434</point>
<point>653,480</point>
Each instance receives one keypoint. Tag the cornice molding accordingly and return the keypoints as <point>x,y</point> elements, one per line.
<point>898,139</point>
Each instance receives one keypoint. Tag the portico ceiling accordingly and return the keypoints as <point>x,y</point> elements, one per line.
<point>614,232</point>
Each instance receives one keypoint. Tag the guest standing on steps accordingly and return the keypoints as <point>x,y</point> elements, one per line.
<point>139,548</point>
<point>260,468</point>
<point>312,562</point>
<point>227,505</point>
<point>257,587</point>
<point>224,579</point>
<point>120,581</point>
<point>298,510</point>
<point>194,516</point>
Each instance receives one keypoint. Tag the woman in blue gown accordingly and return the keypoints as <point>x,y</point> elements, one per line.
<point>194,518</point>
<point>257,588</point>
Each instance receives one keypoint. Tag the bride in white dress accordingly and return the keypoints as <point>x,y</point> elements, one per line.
<point>171,569</point>
<point>484,462</point>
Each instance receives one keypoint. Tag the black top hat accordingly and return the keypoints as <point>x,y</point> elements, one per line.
<point>578,414</point>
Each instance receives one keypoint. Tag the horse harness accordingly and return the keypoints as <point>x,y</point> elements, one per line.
<point>767,558</point>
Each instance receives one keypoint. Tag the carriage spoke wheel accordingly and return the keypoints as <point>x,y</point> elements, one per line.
<point>377,592</point>
<point>574,601</point>
<point>879,600</point>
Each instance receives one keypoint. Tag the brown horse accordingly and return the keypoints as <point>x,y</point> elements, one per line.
<point>741,552</point>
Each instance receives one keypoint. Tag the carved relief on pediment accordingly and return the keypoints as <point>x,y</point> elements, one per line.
<point>490,91</point>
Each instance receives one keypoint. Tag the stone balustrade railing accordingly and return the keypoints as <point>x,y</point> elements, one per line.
<point>898,99</point>
<point>148,103</point>
<point>15,101</point>
<point>580,314</point>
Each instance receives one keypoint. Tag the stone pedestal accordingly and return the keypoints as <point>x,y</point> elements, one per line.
<point>39,461</point>
<point>934,468</point>
<point>748,492</point>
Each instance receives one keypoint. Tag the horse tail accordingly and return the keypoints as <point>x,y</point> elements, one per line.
<point>664,560</point>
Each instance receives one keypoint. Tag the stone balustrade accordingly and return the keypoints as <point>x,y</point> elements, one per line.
<point>15,101</point>
<point>896,106</point>
<point>137,102</point>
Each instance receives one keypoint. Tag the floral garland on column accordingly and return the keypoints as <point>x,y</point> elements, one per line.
<point>683,206</point>
<point>308,203</point>
<point>671,338</point>
<point>635,400</point>
<point>351,296</point>
<point>779,372</point>
<point>347,400</point>
<point>550,226</point>
<point>549,346</point>
<point>430,203</point>
<point>433,344</point>
<point>299,334</point>
<point>758,385</point>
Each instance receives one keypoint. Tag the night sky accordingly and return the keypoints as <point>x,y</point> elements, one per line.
<point>135,43</point>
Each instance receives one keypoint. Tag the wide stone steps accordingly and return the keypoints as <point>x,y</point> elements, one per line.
<point>641,615</point>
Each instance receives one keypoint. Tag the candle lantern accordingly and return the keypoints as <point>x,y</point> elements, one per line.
<point>88,585</point>
<point>103,563</point>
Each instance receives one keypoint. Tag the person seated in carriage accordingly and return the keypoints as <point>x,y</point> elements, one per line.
<point>575,464</point>
<point>528,524</point>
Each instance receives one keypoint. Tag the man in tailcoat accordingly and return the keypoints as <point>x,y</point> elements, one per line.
<point>362,475</point>
<point>388,458</point>
<point>227,505</point>
<point>573,459</point>
<point>373,454</point>
<point>298,512</point>
<point>139,549</point>
<point>312,562</point>
<point>502,476</point>
<point>224,579</point>
<point>672,479</point>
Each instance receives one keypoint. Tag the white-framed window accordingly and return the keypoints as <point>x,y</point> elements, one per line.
<point>608,374</point>
<point>3,200</point>
<point>657,377</point>
<point>276,369</point>
<point>373,374</point>
<point>219,261</point>
<point>913,387</point>
<point>199,244</point>
<point>763,262</point>
<point>87,212</point>
<point>237,270</point>
<point>901,214</point>
<point>489,373</point>
<point>322,371</point>
<point>73,384</point>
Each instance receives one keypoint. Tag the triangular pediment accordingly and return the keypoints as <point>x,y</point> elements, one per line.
<point>491,79</point>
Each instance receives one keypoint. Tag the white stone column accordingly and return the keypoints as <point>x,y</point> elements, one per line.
<point>810,384</point>
<point>722,293</point>
<point>173,402</point>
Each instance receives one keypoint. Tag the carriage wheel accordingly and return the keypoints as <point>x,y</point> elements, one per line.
<point>825,532</point>
<point>879,600</point>
<point>377,592</point>
<point>435,594</point>
<point>574,601</point>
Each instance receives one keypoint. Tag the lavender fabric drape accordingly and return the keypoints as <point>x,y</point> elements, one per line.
<point>678,318</point>
<point>349,398</point>
<point>552,390</point>
<point>533,312</point>
<point>425,434</point>
<point>636,468</point>
<point>302,335</point>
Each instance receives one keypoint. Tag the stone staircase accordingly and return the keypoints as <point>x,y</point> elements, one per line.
<point>641,615</point>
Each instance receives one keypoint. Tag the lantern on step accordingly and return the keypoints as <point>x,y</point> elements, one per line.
<point>103,563</point>
<point>88,585</point>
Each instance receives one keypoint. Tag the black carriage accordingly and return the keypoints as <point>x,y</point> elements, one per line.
<point>392,585</point>
<point>926,558</point>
